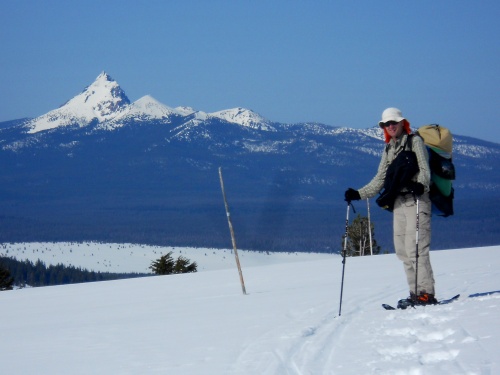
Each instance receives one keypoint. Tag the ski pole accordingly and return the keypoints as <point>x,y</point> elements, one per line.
<point>344,251</point>
<point>416,249</point>
<point>369,226</point>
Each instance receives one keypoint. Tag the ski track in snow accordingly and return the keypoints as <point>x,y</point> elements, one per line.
<point>412,342</point>
<point>293,349</point>
<point>416,341</point>
<point>403,342</point>
<point>308,351</point>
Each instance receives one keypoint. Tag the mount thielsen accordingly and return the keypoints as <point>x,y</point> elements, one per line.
<point>104,169</point>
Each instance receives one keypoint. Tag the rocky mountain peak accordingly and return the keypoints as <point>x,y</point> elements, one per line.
<point>100,101</point>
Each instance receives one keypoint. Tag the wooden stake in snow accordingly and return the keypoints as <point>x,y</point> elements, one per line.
<point>232,232</point>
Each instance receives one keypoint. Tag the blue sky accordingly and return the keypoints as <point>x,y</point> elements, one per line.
<point>336,62</point>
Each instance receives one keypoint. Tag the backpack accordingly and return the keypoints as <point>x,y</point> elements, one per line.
<point>439,143</point>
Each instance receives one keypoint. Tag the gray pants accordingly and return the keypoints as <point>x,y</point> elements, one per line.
<point>405,224</point>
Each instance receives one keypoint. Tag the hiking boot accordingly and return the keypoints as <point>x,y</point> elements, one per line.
<point>413,300</point>
<point>425,299</point>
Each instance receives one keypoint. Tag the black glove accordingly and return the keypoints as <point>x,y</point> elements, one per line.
<point>416,188</point>
<point>352,195</point>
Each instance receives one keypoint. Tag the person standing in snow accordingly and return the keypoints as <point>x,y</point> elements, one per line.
<point>404,204</point>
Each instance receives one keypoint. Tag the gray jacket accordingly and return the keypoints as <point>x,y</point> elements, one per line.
<point>388,155</point>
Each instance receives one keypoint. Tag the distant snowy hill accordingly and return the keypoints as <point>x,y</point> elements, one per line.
<point>288,323</point>
<point>143,110</point>
<point>102,168</point>
<point>243,117</point>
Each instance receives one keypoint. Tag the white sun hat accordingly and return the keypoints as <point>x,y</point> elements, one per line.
<point>391,114</point>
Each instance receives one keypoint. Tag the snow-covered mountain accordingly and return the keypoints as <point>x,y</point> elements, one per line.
<point>105,103</point>
<point>244,117</point>
<point>143,110</point>
<point>102,168</point>
<point>102,100</point>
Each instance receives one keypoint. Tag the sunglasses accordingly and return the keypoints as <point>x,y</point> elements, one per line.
<point>389,123</point>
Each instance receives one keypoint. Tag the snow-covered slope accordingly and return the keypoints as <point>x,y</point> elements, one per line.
<point>243,117</point>
<point>147,108</point>
<point>287,324</point>
<point>142,110</point>
<point>185,111</point>
<point>100,101</point>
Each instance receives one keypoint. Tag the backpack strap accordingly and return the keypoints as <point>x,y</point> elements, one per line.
<point>409,138</point>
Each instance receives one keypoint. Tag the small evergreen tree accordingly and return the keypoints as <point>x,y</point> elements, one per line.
<point>358,239</point>
<point>6,281</point>
<point>166,265</point>
<point>183,265</point>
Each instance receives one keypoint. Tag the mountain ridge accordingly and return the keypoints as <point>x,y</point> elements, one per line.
<point>105,101</point>
<point>147,173</point>
<point>109,103</point>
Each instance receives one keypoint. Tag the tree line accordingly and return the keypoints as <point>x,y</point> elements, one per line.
<point>26,273</point>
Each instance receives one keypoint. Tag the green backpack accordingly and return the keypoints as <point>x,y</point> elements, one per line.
<point>439,142</point>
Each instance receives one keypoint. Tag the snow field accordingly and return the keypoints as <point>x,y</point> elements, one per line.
<point>106,257</point>
<point>288,323</point>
